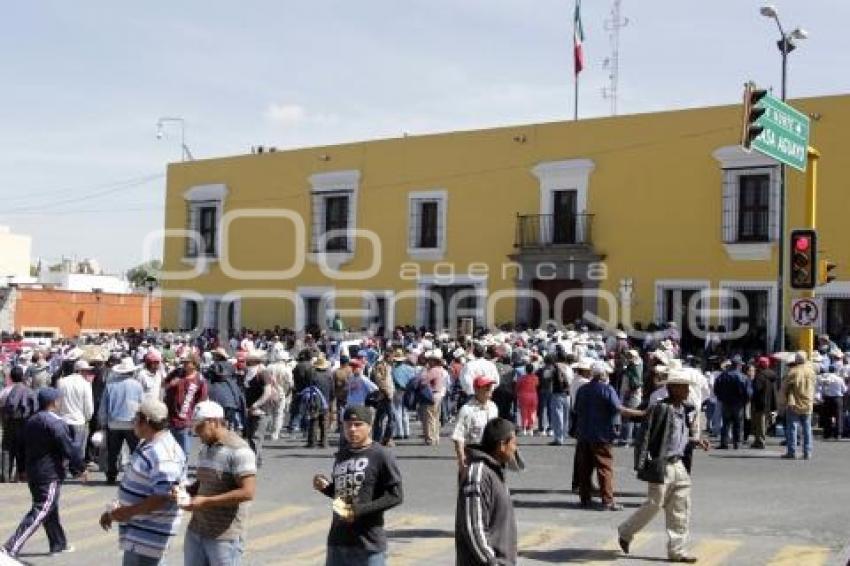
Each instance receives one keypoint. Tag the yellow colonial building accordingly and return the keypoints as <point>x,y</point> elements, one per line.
<point>625,218</point>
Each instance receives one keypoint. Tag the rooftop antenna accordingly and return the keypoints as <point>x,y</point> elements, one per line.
<point>613,24</point>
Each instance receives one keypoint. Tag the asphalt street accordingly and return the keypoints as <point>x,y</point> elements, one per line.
<point>749,507</point>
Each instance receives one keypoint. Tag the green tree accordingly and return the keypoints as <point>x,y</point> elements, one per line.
<point>137,275</point>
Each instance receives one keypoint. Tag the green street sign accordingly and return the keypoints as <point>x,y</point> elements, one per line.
<point>785,136</point>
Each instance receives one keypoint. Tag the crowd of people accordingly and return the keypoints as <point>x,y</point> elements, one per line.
<point>72,408</point>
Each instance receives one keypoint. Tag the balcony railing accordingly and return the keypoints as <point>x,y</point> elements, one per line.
<point>543,230</point>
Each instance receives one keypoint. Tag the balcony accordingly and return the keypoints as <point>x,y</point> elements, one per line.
<point>549,230</point>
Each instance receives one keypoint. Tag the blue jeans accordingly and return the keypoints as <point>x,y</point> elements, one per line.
<point>199,551</point>
<point>353,556</point>
<point>133,559</point>
<point>183,439</point>
<point>793,419</point>
<point>401,424</point>
<point>559,408</point>
<point>544,415</point>
<point>383,431</point>
<point>733,417</point>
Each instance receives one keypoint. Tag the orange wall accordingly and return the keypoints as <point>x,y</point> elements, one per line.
<point>72,312</point>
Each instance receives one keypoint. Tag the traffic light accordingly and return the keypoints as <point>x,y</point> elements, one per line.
<point>752,112</point>
<point>825,274</point>
<point>804,259</point>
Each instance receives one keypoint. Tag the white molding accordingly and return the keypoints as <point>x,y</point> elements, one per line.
<point>748,251</point>
<point>327,293</point>
<point>345,180</point>
<point>563,175</point>
<point>733,156</point>
<point>217,191</point>
<point>331,182</point>
<point>428,254</point>
<point>662,285</point>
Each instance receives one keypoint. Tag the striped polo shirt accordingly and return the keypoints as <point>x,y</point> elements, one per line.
<point>219,467</point>
<point>155,467</point>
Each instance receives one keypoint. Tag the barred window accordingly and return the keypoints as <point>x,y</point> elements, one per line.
<point>754,208</point>
<point>427,222</point>
<point>202,219</point>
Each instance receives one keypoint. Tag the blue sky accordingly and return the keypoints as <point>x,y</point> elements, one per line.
<point>82,171</point>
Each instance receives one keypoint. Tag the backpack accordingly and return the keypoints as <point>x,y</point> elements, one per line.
<point>314,402</point>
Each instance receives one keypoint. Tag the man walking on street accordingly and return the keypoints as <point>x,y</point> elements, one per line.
<point>732,390</point>
<point>44,447</point>
<point>661,460</point>
<point>19,404</point>
<point>472,419</point>
<point>121,400</point>
<point>798,397</point>
<point>147,516</point>
<point>485,526</point>
<point>227,479</point>
<point>76,406</point>
<point>366,482</point>
<point>597,405</point>
<point>763,401</point>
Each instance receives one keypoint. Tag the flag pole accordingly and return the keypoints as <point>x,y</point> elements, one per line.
<point>578,54</point>
<point>575,98</point>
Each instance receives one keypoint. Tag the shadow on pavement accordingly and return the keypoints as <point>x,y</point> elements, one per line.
<point>579,555</point>
<point>420,533</point>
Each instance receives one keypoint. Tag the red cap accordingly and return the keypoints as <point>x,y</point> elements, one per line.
<point>356,364</point>
<point>764,362</point>
<point>482,381</point>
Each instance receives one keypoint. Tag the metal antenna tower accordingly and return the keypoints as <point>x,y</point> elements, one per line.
<point>613,24</point>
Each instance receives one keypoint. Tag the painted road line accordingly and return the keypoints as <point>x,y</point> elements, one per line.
<point>63,513</point>
<point>714,551</point>
<point>314,555</point>
<point>257,520</point>
<point>800,555</point>
<point>294,533</point>
<point>613,546</point>
<point>545,537</point>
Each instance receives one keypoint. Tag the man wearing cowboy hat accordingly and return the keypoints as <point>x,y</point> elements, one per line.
<point>259,396</point>
<point>660,459</point>
<point>121,399</point>
<point>434,376</point>
<point>797,396</point>
<point>321,384</point>
<point>402,372</point>
<point>77,404</point>
<point>280,370</point>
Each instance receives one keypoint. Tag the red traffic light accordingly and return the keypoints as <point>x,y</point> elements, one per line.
<point>802,244</point>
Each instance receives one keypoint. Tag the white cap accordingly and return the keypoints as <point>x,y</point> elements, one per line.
<point>207,410</point>
<point>81,365</point>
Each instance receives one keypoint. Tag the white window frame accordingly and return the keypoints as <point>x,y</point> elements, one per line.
<point>425,282</point>
<point>664,285</point>
<point>206,311</point>
<point>735,163</point>
<point>441,196</point>
<point>387,295</point>
<point>564,175</point>
<point>833,290</point>
<point>326,293</point>
<point>203,196</point>
<point>324,185</point>
<point>769,286</point>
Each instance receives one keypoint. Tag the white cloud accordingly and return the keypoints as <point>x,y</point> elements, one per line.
<point>286,114</point>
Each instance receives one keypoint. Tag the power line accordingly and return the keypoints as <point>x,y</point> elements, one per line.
<point>88,196</point>
<point>27,195</point>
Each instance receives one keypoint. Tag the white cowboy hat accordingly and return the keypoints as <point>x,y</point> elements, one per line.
<point>678,377</point>
<point>126,366</point>
<point>256,356</point>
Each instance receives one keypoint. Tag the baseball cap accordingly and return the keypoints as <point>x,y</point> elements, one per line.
<point>482,381</point>
<point>47,395</point>
<point>358,413</point>
<point>207,410</point>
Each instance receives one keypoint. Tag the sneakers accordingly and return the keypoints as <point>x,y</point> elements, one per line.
<point>624,544</point>
<point>67,550</point>
<point>613,507</point>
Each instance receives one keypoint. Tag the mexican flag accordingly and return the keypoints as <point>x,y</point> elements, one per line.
<point>578,38</point>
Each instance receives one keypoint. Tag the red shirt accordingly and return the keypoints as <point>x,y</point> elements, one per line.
<point>181,396</point>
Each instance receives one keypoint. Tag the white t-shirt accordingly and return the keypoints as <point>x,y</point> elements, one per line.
<point>471,420</point>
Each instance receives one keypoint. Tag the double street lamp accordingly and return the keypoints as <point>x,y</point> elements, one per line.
<point>160,133</point>
<point>786,45</point>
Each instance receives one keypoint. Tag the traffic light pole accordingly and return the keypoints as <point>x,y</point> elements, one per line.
<point>779,341</point>
<point>807,336</point>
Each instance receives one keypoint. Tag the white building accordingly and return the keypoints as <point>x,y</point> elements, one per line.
<point>85,276</point>
<point>15,250</point>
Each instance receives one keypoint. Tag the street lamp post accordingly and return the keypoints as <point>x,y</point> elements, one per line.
<point>786,45</point>
<point>186,155</point>
<point>151,284</point>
